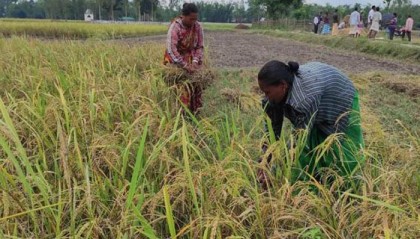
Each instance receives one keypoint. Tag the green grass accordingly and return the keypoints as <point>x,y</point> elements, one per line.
<point>375,47</point>
<point>92,145</point>
<point>219,26</point>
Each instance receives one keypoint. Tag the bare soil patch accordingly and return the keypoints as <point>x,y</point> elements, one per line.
<point>239,50</point>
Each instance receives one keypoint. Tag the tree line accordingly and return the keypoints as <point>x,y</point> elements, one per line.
<point>148,10</point>
<point>165,10</point>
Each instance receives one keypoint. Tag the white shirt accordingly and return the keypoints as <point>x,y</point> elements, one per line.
<point>370,16</point>
<point>316,20</point>
<point>379,15</point>
<point>354,18</point>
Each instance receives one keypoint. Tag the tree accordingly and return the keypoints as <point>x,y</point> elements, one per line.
<point>5,6</point>
<point>387,2</point>
<point>25,9</point>
<point>137,5</point>
<point>52,8</point>
<point>396,2</point>
<point>173,4</point>
<point>215,12</point>
<point>145,8</point>
<point>306,11</point>
<point>111,6</point>
<point>279,8</point>
<point>239,13</point>
<point>255,11</point>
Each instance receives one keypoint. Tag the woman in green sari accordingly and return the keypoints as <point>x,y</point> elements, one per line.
<point>319,98</point>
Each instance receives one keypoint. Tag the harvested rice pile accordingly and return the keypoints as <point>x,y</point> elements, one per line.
<point>345,32</point>
<point>175,75</point>
<point>346,20</point>
<point>242,26</point>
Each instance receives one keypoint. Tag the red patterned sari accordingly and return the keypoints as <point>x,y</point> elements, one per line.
<point>184,46</point>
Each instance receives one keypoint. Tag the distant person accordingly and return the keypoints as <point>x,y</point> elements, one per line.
<point>376,23</point>
<point>184,48</point>
<point>320,98</point>
<point>408,28</point>
<point>326,29</point>
<point>392,26</point>
<point>370,16</point>
<point>354,22</point>
<point>316,23</point>
<point>336,20</point>
<point>321,23</point>
<point>360,27</point>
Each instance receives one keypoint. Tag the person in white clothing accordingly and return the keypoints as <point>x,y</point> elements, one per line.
<point>370,16</point>
<point>376,23</point>
<point>354,21</point>
<point>316,23</point>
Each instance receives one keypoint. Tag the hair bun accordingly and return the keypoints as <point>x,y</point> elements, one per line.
<point>293,66</point>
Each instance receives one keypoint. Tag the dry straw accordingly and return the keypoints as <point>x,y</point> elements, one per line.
<point>174,75</point>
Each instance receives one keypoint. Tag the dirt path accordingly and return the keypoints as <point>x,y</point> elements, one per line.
<point>236,49</point>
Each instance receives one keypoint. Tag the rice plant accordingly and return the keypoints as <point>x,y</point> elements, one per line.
<point>93,145</point>
<point>86,30</point>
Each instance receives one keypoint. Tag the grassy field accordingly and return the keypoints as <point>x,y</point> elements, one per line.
<point>219,26</point>
<point>396,49</point>
<point>83,30</point>
<point>78,29</point>
<point>92,145</point>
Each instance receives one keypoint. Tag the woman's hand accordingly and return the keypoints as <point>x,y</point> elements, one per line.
<point>189,68</point>
<point>196,66</point>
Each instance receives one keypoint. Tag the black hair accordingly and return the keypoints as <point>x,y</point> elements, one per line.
<point>336,10</point>
<point>276,72</point>
<point>356,9</point>
<point>373,7</point>
<point>189,8</point>
<point>377,8</point>
<point>395,14</point>
<point>409,15</point>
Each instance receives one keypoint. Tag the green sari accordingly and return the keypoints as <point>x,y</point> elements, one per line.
<point>341,153</point>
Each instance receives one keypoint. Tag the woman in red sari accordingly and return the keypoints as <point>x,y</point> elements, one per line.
<point>184,48</point>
